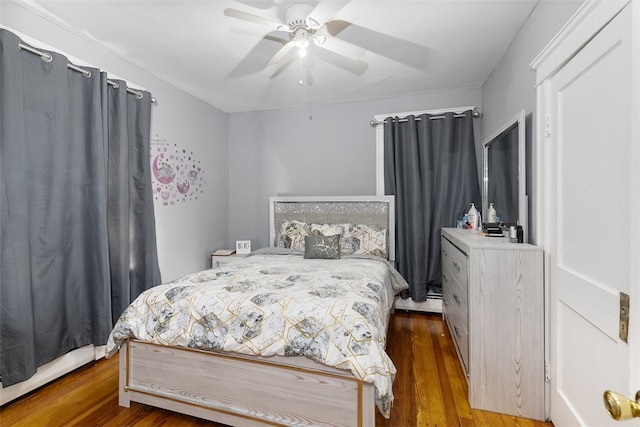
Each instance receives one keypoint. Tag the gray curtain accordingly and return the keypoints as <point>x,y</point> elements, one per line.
<point>56,211</point>
<point>131,222</point>
<point>430,168</point>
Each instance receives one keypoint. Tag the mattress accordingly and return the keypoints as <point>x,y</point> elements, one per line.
<point>334,312</point>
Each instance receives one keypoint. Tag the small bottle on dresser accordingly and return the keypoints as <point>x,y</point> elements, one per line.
<point>513,234</point>
<point>473,216</point>
<point>491,214</point>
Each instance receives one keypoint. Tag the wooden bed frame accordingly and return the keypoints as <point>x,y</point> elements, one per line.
<point>242,390</point>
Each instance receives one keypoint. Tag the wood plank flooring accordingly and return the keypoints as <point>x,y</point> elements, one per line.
<point>430,390</point>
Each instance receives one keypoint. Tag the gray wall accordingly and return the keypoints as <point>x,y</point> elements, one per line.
<point>511,86</point>
<point>248,157</point>
<point>285,152</point>
<point>187,232</point>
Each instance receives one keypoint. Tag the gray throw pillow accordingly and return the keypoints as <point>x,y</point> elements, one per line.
<point>322,247</point>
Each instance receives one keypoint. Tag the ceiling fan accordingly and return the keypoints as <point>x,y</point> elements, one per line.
<point>306,27</point>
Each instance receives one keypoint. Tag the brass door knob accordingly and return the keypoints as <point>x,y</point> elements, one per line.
<point>619,407</point>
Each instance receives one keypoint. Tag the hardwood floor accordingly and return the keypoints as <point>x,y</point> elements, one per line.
<point>430,390</point>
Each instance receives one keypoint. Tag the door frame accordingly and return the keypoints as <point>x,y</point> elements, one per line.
<point>589,19</point>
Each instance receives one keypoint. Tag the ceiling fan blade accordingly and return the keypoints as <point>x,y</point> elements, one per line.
<point>341,47</point>
<point>281,54</point>
<point>337,26</point>
<point>309,77</point>
<point>403,51</point>
<point>256,19</point>
<point>352,65</point>
<point>283,67</point>
<point>325,11</point>
<point>257,4</point>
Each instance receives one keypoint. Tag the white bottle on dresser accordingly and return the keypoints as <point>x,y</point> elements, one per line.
<point>473,216</point>
<point>491,213</point>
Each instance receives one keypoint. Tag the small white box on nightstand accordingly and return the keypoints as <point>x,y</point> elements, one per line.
<point>243,247</point>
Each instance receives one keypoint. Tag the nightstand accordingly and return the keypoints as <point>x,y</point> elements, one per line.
<point>218,260</point>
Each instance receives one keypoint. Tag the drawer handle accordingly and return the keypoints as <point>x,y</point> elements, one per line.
<point>455,328</point>
<point>445,278</point>
<point>445,253</point>
<point>457,298</point>
<point>456,265</point>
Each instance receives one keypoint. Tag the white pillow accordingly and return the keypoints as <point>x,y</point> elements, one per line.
<point>326,229</point>
<point>292,234</point>
<point>363,239</point>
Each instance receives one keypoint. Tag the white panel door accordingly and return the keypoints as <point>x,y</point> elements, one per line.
<point>592,223</point>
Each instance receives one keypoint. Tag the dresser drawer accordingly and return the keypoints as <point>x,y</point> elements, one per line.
<point>461,340</point>
<point>454,301</point>
<point>458,329</point>
<point>449,306</point>
<point>456,297</point>
<point>449,288</point>
<point>456,261</point>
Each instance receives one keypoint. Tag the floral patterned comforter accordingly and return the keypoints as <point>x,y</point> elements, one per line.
<point>332,311</point>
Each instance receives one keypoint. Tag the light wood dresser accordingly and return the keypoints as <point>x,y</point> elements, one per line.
<point>493,297</point>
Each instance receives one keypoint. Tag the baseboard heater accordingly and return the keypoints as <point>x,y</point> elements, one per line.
<point>51,371</point>
<point>431,305</point>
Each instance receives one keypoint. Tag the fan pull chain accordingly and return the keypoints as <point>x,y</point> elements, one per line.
<point>309,95</point>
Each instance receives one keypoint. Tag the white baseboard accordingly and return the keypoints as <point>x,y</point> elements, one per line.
<point>52,370</point>
<point>431,305</point>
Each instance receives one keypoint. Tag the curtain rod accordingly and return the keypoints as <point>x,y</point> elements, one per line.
<point>48,58</point>
<point>475,114</point>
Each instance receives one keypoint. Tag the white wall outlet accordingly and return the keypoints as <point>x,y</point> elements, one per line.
<point>243,246</point>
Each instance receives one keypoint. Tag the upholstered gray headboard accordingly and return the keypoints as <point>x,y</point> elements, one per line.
<point>369,210</point>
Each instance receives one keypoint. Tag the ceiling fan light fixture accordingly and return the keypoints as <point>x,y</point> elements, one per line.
<point>301,38</point>
<point>301,41</point>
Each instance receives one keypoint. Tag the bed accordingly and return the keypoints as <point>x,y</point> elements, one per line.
<point>289,335</point>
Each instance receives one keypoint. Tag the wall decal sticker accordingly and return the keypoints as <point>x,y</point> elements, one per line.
<point>177,176</point>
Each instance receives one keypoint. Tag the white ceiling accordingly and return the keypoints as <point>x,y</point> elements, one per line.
<point>411,46</point>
